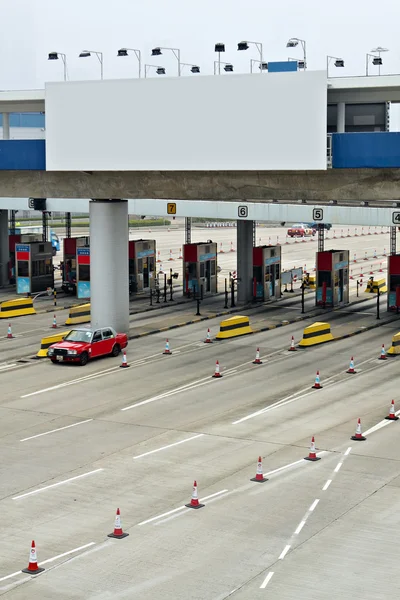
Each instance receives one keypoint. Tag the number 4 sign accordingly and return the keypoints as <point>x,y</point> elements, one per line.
<point>396,218</point>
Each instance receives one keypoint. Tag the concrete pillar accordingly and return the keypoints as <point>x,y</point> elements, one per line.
<point>244,246</point>
<point>6,126</point>
<point>109,280</point>
<point>341,118</point>
<point>4,249</point>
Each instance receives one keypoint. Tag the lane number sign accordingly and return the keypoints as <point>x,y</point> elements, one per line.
<point>243,212</point>
<point>171,208</point>
<point>317,214</point>
<point>396,218</point>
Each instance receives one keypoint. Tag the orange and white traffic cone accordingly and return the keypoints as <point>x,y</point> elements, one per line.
<point>118,533</point>
<point>259,475</point>
<point>208,339</point>
<point>232,248</point>
<point>221,250</point>
<point>54,326</point>
<point>217,372</point>
<point>351,370</point>
<point>358,436</point>
<point>158,256</point>
<point>292,346</point>
<point>312,455</point>
<point>33,567</point>
<point>194,502</point>
<point>124,363</point>
<point>257,360</point>
<point>9,332</point>
<point>392,414</point>
<point>383,353</point>
<point>167,349</point>
<point>180,253</point>
<point>170,255</point>
<point>317,385</point>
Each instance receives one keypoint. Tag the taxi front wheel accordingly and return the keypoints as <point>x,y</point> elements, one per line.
<point>83,359</point>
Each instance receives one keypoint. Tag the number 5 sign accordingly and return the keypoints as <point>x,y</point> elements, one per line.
<point>243,212</point>
<point>317,214</point>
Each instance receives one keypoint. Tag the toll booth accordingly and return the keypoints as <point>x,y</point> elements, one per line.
<point>393,282</point>
<point>34,267</point>
<point>20,238</point>
<point>332,278</point>
<point>266,273</point>
<point>142,265</point>
<point>200,268</point>
<point>69,267</point>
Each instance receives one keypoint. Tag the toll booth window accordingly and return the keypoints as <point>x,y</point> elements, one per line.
<point>23,268</point>
<point>202,269</point>
<point>277,271</point>
<point>48,266</point>
<point>324,277</point>
<point>84,272</point>
<point>140,265</point>
<point>213,263</point>
<point>39,268</point>
<point>394,282</point>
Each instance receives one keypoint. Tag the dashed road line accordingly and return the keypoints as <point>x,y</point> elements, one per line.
<point>327,484</point>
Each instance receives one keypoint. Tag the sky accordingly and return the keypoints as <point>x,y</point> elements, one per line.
<point>346,29</point>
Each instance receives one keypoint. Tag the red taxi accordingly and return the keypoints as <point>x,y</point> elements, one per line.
<point>80,345</point>
<point>300,230</point>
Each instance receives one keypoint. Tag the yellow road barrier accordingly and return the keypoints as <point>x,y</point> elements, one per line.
<point>311,282</point>
<point>379,284</point>
<point>233,327</point>
<point>395,347</point>
<point>317,333</point>
<point>16,308</point>
<point>46,342</point>
<point>79,314</point>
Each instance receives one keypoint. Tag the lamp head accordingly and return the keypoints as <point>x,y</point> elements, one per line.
<point>243,46</point>
<point>122,52</point>
<point>292,43</point>
<point>53,56</point>
<point>377,61</point>
<point>263,66</point>
<point>228,68</point>
<point>339,62</point>
<point>156,52</point>
<point>84,54</point>
<point>195,69</point>
<point>219,47</point>
<point>160,71</point>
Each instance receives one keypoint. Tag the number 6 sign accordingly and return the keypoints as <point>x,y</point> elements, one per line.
<point>243,212</point>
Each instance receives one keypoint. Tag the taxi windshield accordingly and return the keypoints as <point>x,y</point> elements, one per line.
<point>77,335</point>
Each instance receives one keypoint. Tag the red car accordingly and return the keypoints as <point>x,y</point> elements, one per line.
<point>80,345</point>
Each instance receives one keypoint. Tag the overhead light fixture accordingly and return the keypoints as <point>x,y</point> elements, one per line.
<point>53,56</point>
<point>156,52</point>
<point>396,205</point>
<point>84,54</point>
<point>292,43</point>
<point>122,52</point>
<point>243,46</point>
<point>228,68</point>
<point>219,47</point>
<point>339,62</point>
<point>334,202</point>
<point>300,201</point>
<point>195,69</point>
<point>160,71</point>
<point>377,61</point>
<point>263,66</point>
<point>364,203</point>
<point>301,64</point>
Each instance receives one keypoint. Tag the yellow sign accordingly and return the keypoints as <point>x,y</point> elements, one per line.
<point>171,208</point>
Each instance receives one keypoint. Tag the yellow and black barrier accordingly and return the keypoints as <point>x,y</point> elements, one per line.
<point>311,282</point>
<point>46,342</point>
<point>16,308</point>
<point>78,314</point>
<point>317,333</point>
<point>233,327</point>
<point>395,347</point>
<point>375,285</point>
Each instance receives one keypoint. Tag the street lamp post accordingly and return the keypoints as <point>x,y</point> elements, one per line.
<point>263,66</point>
<point>176,52</point>
<point>376,60</point>
<point>245,46</point>
<point>159,70</point>
<point>219,47</point>
<point>56,56</point>
<point>228,67</point>
<point>293,42</point>
<point>138,54</point>
<point>194,68</point>
<point>339,62</point>
<point>87,53</point>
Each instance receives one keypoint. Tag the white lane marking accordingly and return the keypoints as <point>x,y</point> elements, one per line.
<point>32,437</point>
<point>327,484</point>
<point>170,512</point>
<point>194,437</point>
<point>49,560</point>
<point>53,485</point>
<point>313,505</point>
<point>3,367</point>
<point>266,580</point>
<point>73,382</point>
<point>338,467</point>
<point>299,527</point>
<point>379,425</point>
<point>284,552</point>
<point>348,451</point>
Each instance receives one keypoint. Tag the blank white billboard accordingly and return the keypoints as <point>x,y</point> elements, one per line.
<point>269,121</point>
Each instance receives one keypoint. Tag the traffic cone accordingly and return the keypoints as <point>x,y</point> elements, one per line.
<point>124,363</point>
<point>312,455</point>
<point>217,373</point>
<point>351,370</point>
<point>317,385</point>
<point>221,250</point>
<point>232,248</point>
<point>208,339</point>
<point>33,568</point>
<point>392,414</point>
<point>9,332</point>
<point>259,475</point>
<point>194,502</point>
<point>54,326</point>
<point>257,360</point>
<point>180,253</point>
<point>158,256</point>
<point>170,255</point>
<point>292,346</point>
<point>358,436</point>
<point>383,353</point>
<point>118,533</point>
<point>167,350</point>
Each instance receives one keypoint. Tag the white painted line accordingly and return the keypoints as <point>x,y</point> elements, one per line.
<point>266,580</point>
<point>54,430</point>
<point>284,552</point>
<point>327,484</point>
<point>39,490</point>
<point>3,367</point>
<point>49,560</point>
<point>194,437</point>
<point>338,467</point>
<point>169,393</point>
<point>348,451</point>
<point>174,510</point>
<point>72,382</point>
<point>313,505</point>
<point>296,462</point>
<point>299,527</point>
